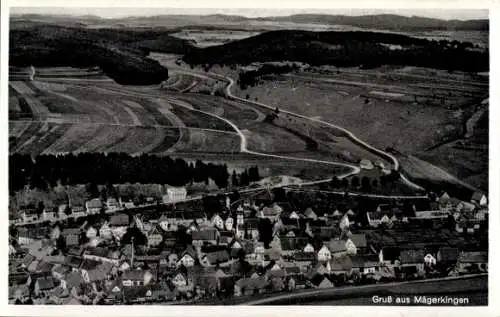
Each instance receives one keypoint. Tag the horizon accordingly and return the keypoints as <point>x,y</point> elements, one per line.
<point>131,12</point>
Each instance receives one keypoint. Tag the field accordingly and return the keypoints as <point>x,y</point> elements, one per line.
<point>407,109</point>
<point>204,38</point>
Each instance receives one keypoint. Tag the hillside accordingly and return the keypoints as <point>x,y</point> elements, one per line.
<point>369,49</point>
<point>121,54</point>
<point>386,22</point>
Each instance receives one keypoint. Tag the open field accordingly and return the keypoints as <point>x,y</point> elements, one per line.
<point>204,38</point>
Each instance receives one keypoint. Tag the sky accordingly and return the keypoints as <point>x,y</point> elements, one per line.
<point>118,12</point>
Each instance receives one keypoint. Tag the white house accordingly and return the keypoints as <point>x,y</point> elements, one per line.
<point>324,254</point>
<point>429,259</point>
<point>351,247</point>
<point>229,223</point>
<point>175,194</point>
<point>187,260</point>
<point>217,221</point>
<point>309,248</point>
<point>479,198</point>
<point>105,231</point>
<point>91,233</point>
<point>344,223</point>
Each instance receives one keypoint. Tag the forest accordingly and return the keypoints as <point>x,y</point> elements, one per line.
<point>47,171</point>
<point>121,54</point>
<point>343,49</point>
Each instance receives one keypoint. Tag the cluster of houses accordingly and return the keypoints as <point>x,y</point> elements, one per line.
<point>189,255</point>
<point>93,206</point>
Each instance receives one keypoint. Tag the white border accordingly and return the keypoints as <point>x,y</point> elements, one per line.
<point>494,290</point>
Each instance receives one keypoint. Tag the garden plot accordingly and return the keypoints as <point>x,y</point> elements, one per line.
<point>105,137</point>
<point>170,137</point>
<point>208,141</point>
<point>73,139</point>
<point>17,128</point>
<point>21,88</point>
<point>38,109</point>
<point>42,141</point>
<point>133,141</point>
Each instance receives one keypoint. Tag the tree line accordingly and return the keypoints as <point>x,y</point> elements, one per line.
<point>46,171</point>
<point>342,49</point>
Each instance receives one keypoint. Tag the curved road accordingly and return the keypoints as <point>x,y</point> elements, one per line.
<point>350,135</point>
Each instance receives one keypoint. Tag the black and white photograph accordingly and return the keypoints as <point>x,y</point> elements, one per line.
<point>170,156</point>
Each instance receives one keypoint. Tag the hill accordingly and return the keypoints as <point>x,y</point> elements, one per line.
<point>367,49</point>
<point>121,54</point>
<point>386,22</point>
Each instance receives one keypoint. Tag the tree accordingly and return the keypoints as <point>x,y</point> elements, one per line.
<point>234,179</point>
<point>375,183</point>
<point>365,183</point>
<point>40,208</point>
<point>355,182</point>
<point>265,228</point>
<point>247,97</point>
<point>335,182</point>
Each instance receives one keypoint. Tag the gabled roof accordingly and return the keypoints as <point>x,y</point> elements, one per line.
<point>449,254</point>
<point>341,264</point>
<point>304,256</point>
<point>45,283</point>
<point>252,283</point>
<point>473,257</point>
<point>477,196</point>
<point>217,257</point>
<point>336,245</point>
<point>412,256</point>
<point>362,261</point>
<point>134,275</point>
<point>73,279</point>
<point>94,203</point>
<point>119,220</point>
<point>70,231</point>
<point>100,272</point>
<point>208,234</point>
<point>359,240</point>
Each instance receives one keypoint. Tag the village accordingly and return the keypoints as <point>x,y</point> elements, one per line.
<point>182,250</point>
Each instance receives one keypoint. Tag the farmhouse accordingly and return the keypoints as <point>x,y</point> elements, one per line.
<point>93,206</point>
<point>174,194</point>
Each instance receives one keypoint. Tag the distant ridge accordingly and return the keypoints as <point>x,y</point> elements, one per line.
<point>380,21</point>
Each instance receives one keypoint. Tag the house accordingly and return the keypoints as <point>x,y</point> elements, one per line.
<point>340,265</point>
<point>26,235</point>
<point>91,232</point>
<point>119,220</point>
<point>93,206</point>
<point>310,214</point>
<point>447,255</point>
<point>112,204</point>
<point>215,258</point>
<point>412,258</point>
<point>180,280</point>
<point>102,254</point>
<point>359,241</point>
<point>365,264</point>
<point>338,247</point>
<point>77,211</point>
<point>29,214</point>
<point>309,248</point>
<point>479,199</point>
<point>105,231</point>
<point>344,222</point>
<point>136,278</point>
<point>48,214</point>
<point>206,236</point>
<point>175,194</point>
<point>272,213</point>
<point>429,260</point>
<point>188,257</point>
<point>229,223</point>
<point>217,221</point>
<point>249,286</point>
<point>72,279</point>
<point>164,222</point>
<point>324,253</point>
<point>44,285</point>
<point>155,237</point>
<point>473,262</point>
<point>95,271</point>
<point>366,164</point>
<point>72,236</point>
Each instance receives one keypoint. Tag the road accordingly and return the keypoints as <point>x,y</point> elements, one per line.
<point>350,135</point>
<point>477,282</point>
